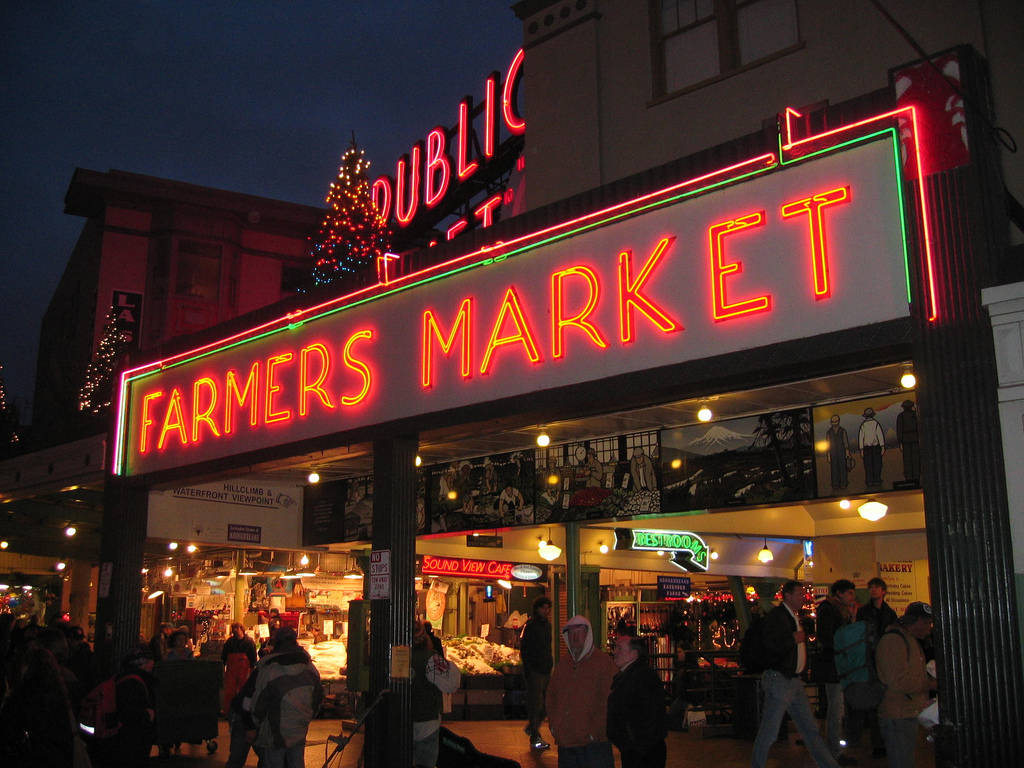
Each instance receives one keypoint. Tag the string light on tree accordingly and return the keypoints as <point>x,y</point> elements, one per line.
<point>352,234</point>
<point>8,418</point>
<point>95,394</point>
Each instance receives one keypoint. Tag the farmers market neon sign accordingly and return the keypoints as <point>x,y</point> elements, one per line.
<point>649,282</point>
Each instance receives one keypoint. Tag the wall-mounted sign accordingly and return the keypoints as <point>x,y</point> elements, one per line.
<point>527,572</point>
<point>483,540</point>
<point>689,551</point>
<point>705,264</point>
<point>380,574</point>
<point>674,587</point>
<point>464,566</point>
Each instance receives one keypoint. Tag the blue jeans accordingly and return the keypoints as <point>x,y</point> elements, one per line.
<point>786,694</point>
<point>834,721</point>
<point>595,755</point>
<point>288,757</point>
<point>900,737</point>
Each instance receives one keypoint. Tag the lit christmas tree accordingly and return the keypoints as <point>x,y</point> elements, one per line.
<point>95,394</point>
<point>352,234</point>
<point>9,438</point>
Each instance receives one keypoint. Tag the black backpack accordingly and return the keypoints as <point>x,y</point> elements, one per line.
<point>753,651</point>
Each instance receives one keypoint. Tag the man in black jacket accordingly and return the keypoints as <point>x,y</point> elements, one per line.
<point>535,649</point>
<point>636,707</point>
<point>833,612</point>
<point>782,682</point>
<point>880,616</point>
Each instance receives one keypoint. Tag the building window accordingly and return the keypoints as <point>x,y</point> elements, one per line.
<point>294,279</point>
<point>198,273</point>
<point>696,41</point>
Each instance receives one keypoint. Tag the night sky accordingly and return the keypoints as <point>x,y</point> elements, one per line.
<point>254,96</point>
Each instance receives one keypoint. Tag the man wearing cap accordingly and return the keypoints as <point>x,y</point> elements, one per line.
<point>880,616</point>
<point>782,682</point>
<point>285,698</point>
<point>535,649</point>
<point>900,662</point>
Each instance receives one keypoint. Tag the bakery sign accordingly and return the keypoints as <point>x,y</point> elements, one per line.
<point>760,252</point>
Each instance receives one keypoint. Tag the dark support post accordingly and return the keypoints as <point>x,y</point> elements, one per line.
<point>118,606</point>
<point>981,692</point>
<point>572,568</point>
<point>389,729</point>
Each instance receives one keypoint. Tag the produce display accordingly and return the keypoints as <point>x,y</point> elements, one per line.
<point>475,656</point>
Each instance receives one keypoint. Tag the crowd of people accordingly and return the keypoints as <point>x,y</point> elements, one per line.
<point>592,701</point>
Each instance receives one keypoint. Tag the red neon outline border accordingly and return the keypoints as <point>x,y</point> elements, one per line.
<point>764,162</point>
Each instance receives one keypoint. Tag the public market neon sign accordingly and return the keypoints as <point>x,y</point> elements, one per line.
<point>427,175</point>
<point>621,298</point>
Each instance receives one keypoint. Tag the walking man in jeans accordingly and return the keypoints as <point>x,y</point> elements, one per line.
<point>535,649</point>
<point>782,681</point>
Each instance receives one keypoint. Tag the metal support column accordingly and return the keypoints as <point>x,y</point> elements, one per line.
<point>572,568</point>
<point>118,606</point>
<point>389,729</point>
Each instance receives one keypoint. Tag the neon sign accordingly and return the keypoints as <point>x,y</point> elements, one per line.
<point>689,551</point>
<point>428,175</point>
<point>653,281</point>
<point>464,566</point>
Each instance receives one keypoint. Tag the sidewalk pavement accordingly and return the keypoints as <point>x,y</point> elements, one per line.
<point>506,739</point>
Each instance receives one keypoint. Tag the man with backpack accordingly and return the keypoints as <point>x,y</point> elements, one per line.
<point>879,616</point>
<point>122,713</point>
<point>902,668</point>
<point>833,612</point>
<point>785,662</point>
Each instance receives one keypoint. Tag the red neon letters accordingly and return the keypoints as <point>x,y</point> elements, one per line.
<point>559,322</point>
<point>434,169</point>
<point>630,295</point>
<point>717,233</point>
<point>464,566</point>
<point>814,207</point>
<point>274,390</point>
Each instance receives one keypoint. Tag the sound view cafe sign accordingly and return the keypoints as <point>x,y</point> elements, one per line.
<point>768,250</point>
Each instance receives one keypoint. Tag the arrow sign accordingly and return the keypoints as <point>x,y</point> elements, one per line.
<point>684,559</point>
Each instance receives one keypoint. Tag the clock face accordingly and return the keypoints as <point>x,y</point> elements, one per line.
<point>580,453</point>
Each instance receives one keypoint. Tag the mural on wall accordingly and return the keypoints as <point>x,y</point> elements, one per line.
<point>358,507</point>
<point>599,479</point>
<point>867,445</point>
<point>487,492</point>
<point>753,460</point>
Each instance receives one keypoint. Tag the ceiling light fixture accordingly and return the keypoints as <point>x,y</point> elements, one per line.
<point>714,554</point>
<point>908,380</point>
<point>547,550</point>
<point>419,460</point>
<point>168,572</point>
<point>191,549</point>
<point>172,546</point>
<point>844,504</point>
<point>60,565</point>
<point>304,560</point>
<point>705,414</point>
<point>153,595</point>
<point>602,547</point>
<point>872,511</point>
<point>313,477</point>
<point>504,583</point>
<point>4,544</point>
<point>765,555</point>
<point>543,439</point>
<point>70,531</point>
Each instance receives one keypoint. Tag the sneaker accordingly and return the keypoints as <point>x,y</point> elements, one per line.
<point>539,744</point>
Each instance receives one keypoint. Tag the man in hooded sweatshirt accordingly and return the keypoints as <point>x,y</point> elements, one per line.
<point>286,697</point>
<point>577,700</point>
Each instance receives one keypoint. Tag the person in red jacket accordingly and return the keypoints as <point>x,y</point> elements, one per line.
<point>577,700</point>
<point>239,657</point>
